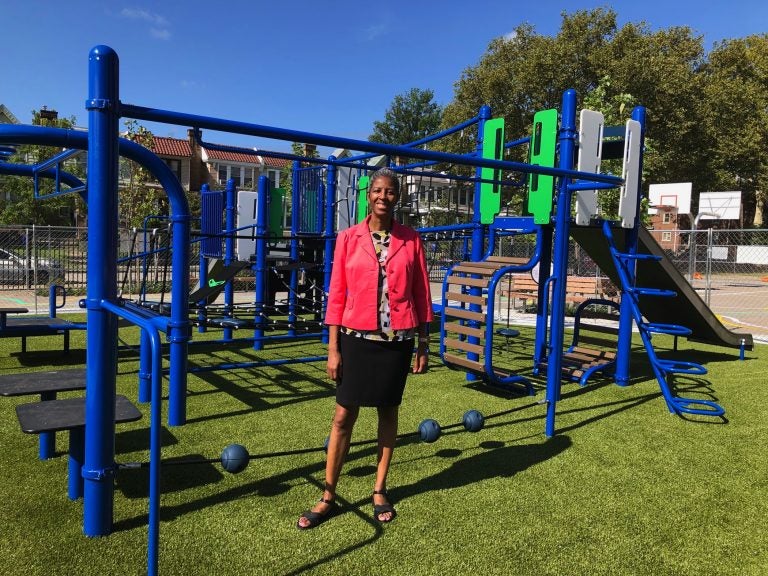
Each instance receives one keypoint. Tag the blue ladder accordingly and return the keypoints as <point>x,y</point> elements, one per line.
<point>663,369</point>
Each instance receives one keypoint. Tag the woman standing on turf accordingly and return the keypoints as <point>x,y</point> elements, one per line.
<point>379,306</point>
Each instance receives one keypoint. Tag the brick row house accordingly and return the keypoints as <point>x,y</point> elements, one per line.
<point>195,165</point>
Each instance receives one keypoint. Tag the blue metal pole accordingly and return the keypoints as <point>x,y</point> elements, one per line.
<point>624,339</point>
<point>261,259</point>
<point>330,221</point>
<point>101,336</point>
<point>567,142</point>
<point>544,240</point>
<point>229,249</point>
<point>205,122</point>
<point>145,370</point>
<point>478,231</point>
<point>203,271</point>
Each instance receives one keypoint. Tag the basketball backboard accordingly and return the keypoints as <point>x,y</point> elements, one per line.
<point>676,194</point>
<point>720,205</point>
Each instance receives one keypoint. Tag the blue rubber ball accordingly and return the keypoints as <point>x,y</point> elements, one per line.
<point>429,430</point>
<point>234,458</point>
<point>473,421</point>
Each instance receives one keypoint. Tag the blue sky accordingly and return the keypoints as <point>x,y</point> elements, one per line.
<point>331,67</point>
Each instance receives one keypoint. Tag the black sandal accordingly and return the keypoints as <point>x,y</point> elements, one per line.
<point>379,509</point>
<point>317,518</point>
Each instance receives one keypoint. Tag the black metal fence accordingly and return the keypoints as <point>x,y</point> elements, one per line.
<point>729,268</point>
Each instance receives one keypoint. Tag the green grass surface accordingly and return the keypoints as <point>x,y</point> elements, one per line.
<point>623,488</point>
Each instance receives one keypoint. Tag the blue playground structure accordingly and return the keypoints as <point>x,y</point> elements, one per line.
<point>563,180</point>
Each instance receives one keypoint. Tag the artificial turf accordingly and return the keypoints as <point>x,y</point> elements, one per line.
<point>623,487</point>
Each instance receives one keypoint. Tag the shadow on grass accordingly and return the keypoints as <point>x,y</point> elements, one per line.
<point>176,477</point>
<point>498,461</point>
<point>241,385</point>
<point>59,358</point>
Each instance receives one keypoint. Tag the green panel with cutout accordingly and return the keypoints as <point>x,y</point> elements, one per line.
<point>543,144</point>
<point>493,149</point>
<point>276,210</point>
<point>362,198</point>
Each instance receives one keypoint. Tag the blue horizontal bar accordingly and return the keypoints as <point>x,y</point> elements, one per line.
<point>236,127</point>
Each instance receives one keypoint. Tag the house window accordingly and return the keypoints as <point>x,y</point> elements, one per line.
<point>274,178</point>
<point>242,176</point>
<point>667,217</point>
<point>175,166</point>
<point>666,236</point>
<point>248,179</point>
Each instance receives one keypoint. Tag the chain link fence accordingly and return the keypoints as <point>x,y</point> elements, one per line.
<point>728,268</point>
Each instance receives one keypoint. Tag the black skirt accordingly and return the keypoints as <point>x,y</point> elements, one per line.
<point>373,372</point>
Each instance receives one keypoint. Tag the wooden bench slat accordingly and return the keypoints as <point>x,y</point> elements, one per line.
<point>466,314</point>
<point>601,354</point>
<point>475,282</point>
<point>475,268</point>
<point>464,329</point>
<point>464,363</point>
<point>469,298</point>
<point>463,345</point>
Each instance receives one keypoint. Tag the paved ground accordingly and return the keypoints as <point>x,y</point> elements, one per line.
<point>740,306</point>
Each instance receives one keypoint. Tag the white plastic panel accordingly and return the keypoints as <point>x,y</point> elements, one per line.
<point>631,174</point>
<point>591,126</point>
<point>246,216</point>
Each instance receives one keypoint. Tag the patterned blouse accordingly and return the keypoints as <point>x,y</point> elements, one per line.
<point>384,331</point>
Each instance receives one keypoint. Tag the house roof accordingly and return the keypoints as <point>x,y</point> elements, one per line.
<point>247,156</point>
<point>6,117</point>
<point>164,146</point>
<point>276,162</point>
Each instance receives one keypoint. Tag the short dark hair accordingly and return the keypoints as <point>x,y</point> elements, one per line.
<point>386,173</point>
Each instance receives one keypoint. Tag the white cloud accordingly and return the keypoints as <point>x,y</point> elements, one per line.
<point>159,25</point>
<point>509,36</point>
<point>374,31</point>
<point>160,33</point>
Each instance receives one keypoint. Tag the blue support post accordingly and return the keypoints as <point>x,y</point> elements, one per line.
<point>624,339</point>
<point>203,270</point>
<point>567,142</point>
<point>47,440</point>
<point>261,259</point>
<point>229,250</point>
<point>101,365</point>
<point>478,231</point>
<point>544,239</point>
<point>75,463</point>
<point>330,213</point>
<point>145,370</point>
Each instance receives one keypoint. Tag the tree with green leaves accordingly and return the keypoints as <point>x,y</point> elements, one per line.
<point>613,69</point>
<point>18,205</point>
<point>139,194</point>
<point>736,119</point>
<point>411,116</point>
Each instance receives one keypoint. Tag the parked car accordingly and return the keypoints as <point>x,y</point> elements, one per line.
<point>15,269</point>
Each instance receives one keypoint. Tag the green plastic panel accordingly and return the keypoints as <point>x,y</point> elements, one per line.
<point>276,208</point>
<point>493,149</point>
<point>362,198</point>
<point>540,186</point>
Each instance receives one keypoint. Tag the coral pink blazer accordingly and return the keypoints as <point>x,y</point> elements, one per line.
<point>353,295</point>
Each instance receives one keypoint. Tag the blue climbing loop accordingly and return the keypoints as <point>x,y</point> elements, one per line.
<point>663,369</point>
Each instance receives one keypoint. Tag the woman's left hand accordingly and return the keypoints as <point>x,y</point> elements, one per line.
<point>421,359</point>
